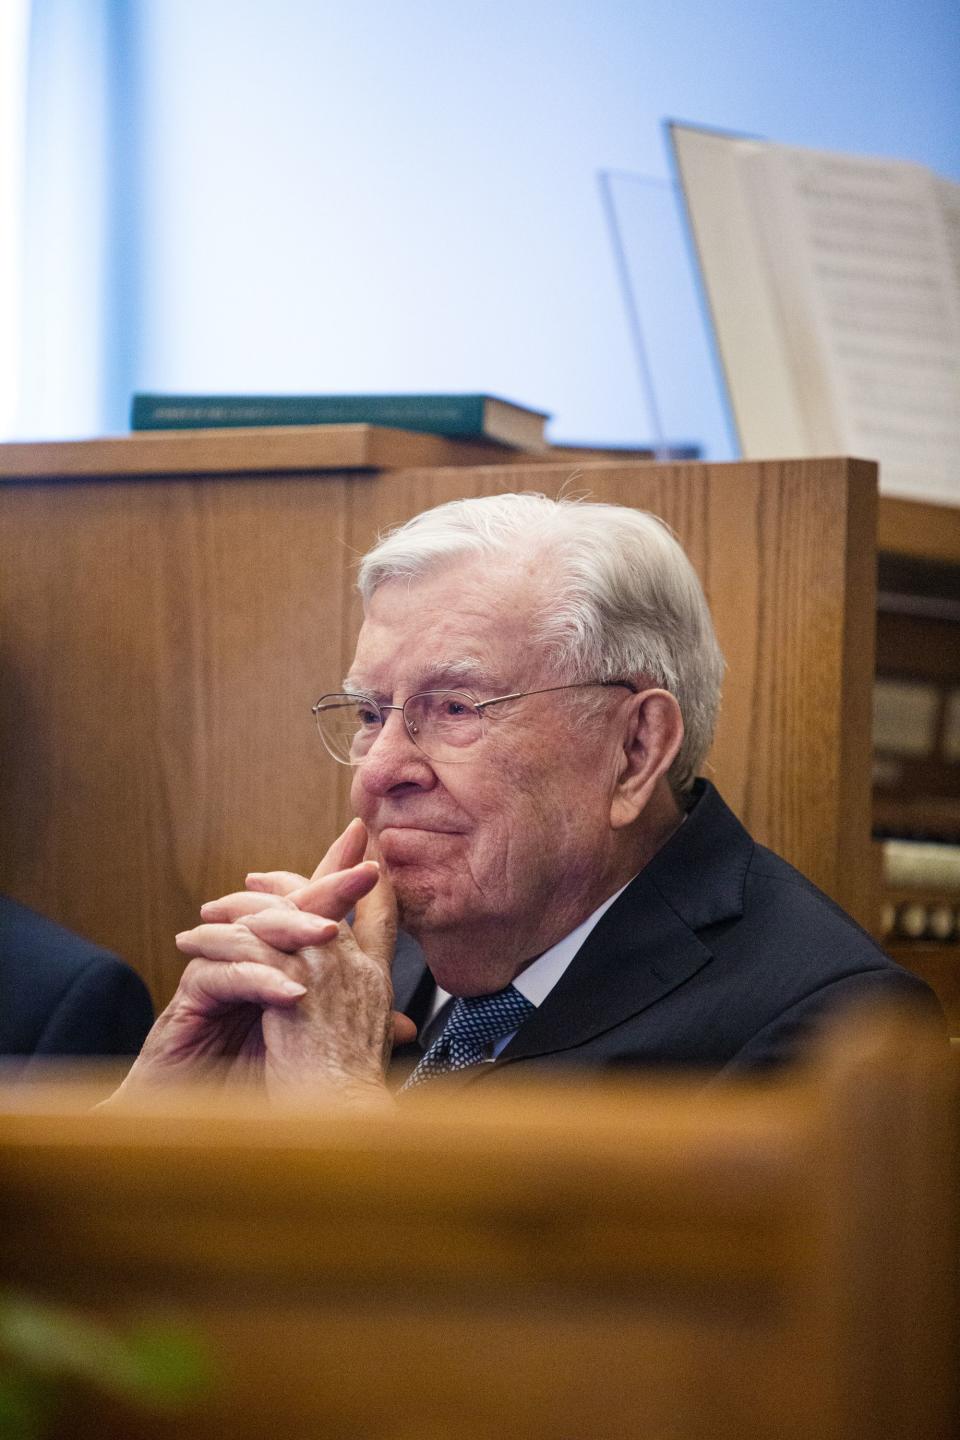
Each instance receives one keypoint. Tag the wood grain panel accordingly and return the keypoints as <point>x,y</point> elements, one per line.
<point>161,646</point>
<point>918,529</point>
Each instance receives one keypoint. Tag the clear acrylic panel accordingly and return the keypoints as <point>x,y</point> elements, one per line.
<point>666,313</point>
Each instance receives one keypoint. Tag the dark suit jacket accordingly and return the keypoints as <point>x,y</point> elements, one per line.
<point>62,995</point>
<point>718,955</point>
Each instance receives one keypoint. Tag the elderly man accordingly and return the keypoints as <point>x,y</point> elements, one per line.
<point>534,690</point>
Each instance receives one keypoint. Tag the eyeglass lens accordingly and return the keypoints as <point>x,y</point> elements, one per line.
<point>440,722</point>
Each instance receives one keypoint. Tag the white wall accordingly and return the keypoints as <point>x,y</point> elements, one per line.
<point>67,286</point>
<point>388,195</point>
<point>13,52</point>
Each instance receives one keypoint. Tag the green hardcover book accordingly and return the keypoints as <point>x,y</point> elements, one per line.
<point>479,417</point>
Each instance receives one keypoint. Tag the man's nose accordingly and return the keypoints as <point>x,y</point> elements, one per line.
<point>393,759</point>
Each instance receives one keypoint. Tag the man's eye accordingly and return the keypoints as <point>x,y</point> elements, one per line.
<point>453,709</point>
<point>367,716</point>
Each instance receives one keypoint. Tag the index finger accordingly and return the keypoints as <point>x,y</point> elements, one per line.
<point>345,852</point>
<point>274,882</point>
<point>242,902</point>
<point>335,895</point>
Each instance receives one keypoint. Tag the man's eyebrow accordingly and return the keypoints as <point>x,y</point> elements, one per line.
<point>442,675</point>
<point>356,687</point>
<point>466,671</point>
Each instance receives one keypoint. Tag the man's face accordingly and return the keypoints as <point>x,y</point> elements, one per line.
<point>508,846</point>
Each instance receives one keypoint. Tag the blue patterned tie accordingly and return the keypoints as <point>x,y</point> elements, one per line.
<point>475,1022</point>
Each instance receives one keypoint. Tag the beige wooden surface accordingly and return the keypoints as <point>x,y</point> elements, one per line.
<point>162,640</point>
<point>919,530</point>
<point>243,451</point>
<point>643,1261</point>
<point>238,450</point>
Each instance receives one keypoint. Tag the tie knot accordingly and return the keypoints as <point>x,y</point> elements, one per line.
<point>481,1019</point>
<point>475,1022</point>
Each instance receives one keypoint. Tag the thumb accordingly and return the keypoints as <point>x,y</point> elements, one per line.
<point>375,923</point>
<point>404,1030</point>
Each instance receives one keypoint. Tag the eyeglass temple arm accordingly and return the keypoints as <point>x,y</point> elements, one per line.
<point>551,689</point>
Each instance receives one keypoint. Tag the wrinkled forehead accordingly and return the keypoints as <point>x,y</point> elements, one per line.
<point>461,623</point>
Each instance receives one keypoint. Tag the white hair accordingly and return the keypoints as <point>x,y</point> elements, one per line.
<point>626,603</point>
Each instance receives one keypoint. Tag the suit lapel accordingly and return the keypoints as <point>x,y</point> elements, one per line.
<point>638,953</point>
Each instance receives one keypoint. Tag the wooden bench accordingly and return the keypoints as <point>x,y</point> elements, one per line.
<point>643,1260</point>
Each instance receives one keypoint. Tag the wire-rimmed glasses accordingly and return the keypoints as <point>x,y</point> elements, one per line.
<point>443,724</point>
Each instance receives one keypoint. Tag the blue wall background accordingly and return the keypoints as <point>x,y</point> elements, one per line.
<point>307,196</point>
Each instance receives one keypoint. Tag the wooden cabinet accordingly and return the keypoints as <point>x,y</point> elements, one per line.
<point>917,755</point>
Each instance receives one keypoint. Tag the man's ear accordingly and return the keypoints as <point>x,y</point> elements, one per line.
<point>652,739</point>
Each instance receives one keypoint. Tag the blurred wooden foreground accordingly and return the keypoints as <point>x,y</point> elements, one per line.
<point>642,1260</point>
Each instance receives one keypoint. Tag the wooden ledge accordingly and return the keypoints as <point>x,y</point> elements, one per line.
<point>243,451</point>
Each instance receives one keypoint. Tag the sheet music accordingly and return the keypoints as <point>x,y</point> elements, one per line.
<point>865,260</point>
<point>749,330</point>
<point>948,194</point>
